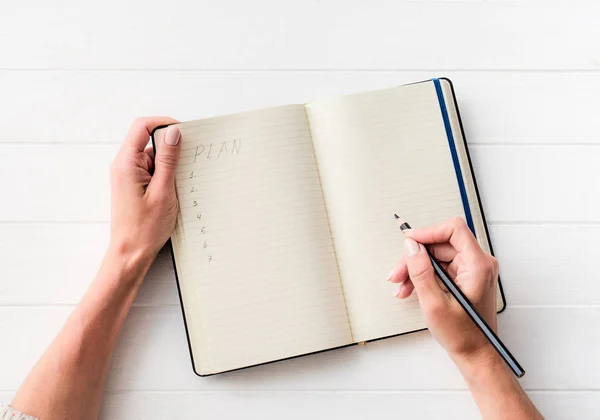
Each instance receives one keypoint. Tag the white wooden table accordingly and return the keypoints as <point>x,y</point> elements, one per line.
<point>74,74</point>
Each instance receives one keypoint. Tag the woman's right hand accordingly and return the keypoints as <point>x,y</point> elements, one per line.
<point>474,271</point>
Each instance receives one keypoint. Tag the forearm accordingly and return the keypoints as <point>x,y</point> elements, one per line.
<point>495,389</point>
<point>68,381</point>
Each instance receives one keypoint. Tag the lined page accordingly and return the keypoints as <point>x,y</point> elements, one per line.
<point>381,153</point>
<point>252,246</point>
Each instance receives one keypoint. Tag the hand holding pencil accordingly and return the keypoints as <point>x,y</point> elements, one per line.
<point>456,283</point>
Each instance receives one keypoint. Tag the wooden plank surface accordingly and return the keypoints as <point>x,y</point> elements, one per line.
<point>413,404</point>
<point>422,405</point>
<point>268,34</point>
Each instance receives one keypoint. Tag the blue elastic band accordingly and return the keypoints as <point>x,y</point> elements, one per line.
<point>459,177</point>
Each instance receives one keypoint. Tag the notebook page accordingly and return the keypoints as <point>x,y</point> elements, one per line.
<point>381,153</point>
<point>252,246</point>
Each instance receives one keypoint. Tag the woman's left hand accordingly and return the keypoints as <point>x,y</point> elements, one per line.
<point>143,200</point>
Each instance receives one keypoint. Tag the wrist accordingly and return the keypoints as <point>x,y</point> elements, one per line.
<point>130,265</point>
<point>496,390</point>
<point>479,363</point>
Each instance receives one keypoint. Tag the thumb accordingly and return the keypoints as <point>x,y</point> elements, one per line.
<point>167,156</point>
<point>421,273</point>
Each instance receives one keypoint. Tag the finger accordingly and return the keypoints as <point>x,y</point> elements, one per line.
<point>147,160</point>
<point>451,268</point>
<point>455,231</point>
<point>399,273</point>
<point>168,146</point>
<point>404,289</point>
<point>443,252</point>
<point>442,285</point>
<point>140,131</point>
<point>421,273</point>
<point>149,151</point>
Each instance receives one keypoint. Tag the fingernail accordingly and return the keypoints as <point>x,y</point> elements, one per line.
<point>172,136</point>
<point>411,246</point>
<point>398,290</point>
<point>391,274</point>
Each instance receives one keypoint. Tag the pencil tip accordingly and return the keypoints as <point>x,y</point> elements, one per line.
<point>401,222</point>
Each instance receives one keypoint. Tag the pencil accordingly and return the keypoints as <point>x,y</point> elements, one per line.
<point>470,309</point>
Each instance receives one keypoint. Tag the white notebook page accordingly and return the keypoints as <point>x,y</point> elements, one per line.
<point>253,250</point>
<point>381,153</point>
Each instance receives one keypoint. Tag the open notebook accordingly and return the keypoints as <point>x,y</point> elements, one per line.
<point>286,233</point>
